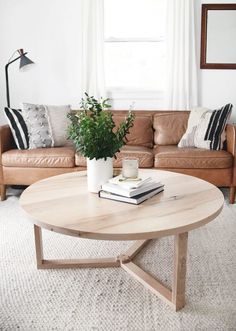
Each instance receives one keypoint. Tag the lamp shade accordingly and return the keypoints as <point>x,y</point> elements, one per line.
<point>24,60</point>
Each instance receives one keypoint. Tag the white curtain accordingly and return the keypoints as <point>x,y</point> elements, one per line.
<point>92,48</point>
<point>181,92</point>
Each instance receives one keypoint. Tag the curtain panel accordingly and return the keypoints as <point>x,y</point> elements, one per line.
<point>93,48</point>
<point>182,86</point>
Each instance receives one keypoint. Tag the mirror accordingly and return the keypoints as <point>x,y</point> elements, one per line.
<point>218,36</point>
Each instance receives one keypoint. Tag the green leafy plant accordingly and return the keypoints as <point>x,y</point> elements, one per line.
<point>93,129</point>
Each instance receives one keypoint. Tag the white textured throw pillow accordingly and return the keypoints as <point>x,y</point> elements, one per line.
<point>58,124</point>
<point>194,118</point>
<point>201,130</point>
<point>37,125</point>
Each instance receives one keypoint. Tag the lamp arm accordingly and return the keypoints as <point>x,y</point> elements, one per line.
<point>17,58</point>
<point>7,80</point>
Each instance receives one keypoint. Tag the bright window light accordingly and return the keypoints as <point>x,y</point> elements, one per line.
<point>135,44</point>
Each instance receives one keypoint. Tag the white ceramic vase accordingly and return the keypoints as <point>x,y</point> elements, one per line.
<point>98,173</point>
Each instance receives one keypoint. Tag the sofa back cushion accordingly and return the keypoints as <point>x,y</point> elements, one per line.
<point>169,128</point>
<point>141,134</point>
<point>58,124</point>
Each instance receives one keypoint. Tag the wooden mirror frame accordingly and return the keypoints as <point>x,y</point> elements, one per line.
<point>204,64</point>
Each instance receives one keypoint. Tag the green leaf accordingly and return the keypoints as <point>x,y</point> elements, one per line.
<point>93,129</point>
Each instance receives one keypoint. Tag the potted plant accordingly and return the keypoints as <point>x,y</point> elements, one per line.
<point>96,137</point>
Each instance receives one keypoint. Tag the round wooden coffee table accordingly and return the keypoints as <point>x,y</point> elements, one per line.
<point>63,204</point>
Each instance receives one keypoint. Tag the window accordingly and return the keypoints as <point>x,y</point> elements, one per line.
<point>135,45</point>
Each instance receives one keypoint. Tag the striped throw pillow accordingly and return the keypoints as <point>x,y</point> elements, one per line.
<point>18,127</point>
<point>206,128</point>
<point>210,131</point>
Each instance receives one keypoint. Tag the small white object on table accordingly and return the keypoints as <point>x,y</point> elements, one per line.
<point>130,168</point>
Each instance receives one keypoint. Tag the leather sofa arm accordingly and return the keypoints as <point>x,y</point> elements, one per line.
<point>6,139</point>
<point>231,147</point>
<point>231,138</point>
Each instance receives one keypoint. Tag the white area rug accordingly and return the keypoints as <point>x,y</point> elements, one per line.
<point>108,299</point>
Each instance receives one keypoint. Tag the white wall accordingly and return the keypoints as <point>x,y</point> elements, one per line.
<point>50,31</point>
<point>216,87</point>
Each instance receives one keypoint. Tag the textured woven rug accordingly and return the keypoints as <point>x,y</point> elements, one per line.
<point>108,299</point>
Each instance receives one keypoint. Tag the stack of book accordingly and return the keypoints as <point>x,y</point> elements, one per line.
<point>132,191</point>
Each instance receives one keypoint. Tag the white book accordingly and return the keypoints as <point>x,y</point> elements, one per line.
<point>130,183</point>
<point>136,200</point>
<point>117,189</point>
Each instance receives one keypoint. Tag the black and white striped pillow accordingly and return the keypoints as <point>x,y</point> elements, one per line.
<point>18,127</point>
<point>217,126</point>
<point>210,130</point>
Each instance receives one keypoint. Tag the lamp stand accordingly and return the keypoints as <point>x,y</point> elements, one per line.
<point>7,79</point>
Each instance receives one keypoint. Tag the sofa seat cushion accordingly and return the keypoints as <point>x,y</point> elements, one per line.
<point>185,158</point>
<point>56,157</point>
<point>143,154</point>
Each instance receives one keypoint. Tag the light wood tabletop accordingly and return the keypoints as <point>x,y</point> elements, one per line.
<point>63,204</point>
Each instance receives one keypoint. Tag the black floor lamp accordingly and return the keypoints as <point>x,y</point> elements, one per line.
<point>24,60</point>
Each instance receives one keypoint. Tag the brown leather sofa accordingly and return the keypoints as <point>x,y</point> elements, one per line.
<point>153,140</point>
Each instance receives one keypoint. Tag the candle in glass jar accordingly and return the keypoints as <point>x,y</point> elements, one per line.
<point>130,168</point>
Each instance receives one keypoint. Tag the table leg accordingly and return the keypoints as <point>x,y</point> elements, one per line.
<point>38,246</point>
<point>136,248</point>
<point>176,297</point>
<point>68,263</point>
<point>179,276</point>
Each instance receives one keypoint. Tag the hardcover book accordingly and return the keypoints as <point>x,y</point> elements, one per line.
<point>135,200</point>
